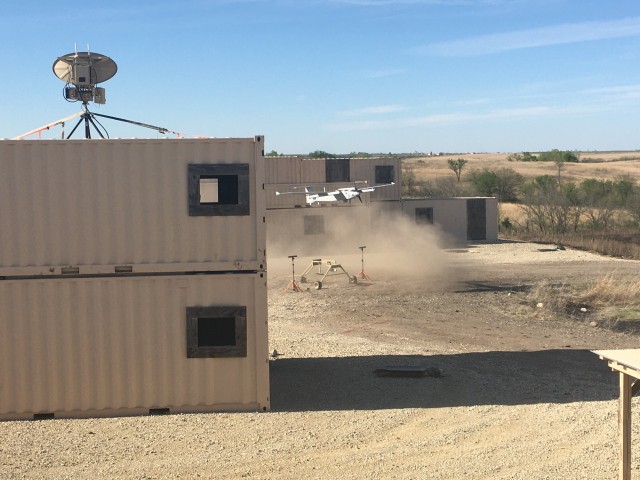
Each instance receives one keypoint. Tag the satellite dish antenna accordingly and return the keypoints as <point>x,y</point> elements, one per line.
<point>96,68</point>
<point>82,72</point>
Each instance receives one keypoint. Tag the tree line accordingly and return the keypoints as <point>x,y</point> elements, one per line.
<point>549,203</point>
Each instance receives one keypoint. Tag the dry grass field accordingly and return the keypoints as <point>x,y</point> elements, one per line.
<point>602,165</point>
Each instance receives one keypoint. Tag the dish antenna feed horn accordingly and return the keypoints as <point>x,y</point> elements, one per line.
<point>82,72</point>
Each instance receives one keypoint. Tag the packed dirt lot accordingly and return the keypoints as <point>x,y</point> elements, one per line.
<point>508,394</point>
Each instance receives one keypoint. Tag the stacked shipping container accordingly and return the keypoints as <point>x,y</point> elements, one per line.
<point>132,277</point>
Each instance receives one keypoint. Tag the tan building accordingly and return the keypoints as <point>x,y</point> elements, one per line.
<point>462,219</point>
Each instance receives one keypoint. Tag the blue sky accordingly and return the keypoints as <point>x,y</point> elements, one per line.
<point>341,75</point>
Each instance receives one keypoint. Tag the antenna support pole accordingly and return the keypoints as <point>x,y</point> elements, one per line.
<point>362,273</point>
<point>293,285</point>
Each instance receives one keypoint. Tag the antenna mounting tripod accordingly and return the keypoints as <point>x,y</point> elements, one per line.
<point>293,285</point>
<point>88,118</point>
<point>362,273</point>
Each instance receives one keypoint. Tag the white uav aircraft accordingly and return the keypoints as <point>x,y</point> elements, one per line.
<point>345,194</point>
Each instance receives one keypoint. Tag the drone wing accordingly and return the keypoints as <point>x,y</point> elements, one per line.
<point>372,188</point>
<point>306,190</point>
<point>383,185</point>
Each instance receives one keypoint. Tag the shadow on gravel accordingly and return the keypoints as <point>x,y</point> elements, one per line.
<point>484,286</point>
<point>482,378</point>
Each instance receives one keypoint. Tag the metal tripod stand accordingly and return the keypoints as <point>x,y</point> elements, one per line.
<point>362,274</point>
<point>88,118</point>
<point>293,285</point>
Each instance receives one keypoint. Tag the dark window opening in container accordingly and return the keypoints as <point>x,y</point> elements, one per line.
<point>313,224</point>
<point>424,216</point>
<point>384,174</point>
<point>218,189</point>
<point>337,170</point>
<point>216,332</point>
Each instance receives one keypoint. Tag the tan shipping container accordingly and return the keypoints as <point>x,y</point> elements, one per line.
<point>283,170</point>
<point>77,347</point>
<point>294,170</point>
<point>331,173</point>
<point>378,171</point>
<point>314,171</point>
<point>143,206</point>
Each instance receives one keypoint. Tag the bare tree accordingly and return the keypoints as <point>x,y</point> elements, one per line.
<point>549,207</point>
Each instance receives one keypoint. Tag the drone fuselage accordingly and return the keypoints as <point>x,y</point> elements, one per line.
<point>339,195</point>
<point>345,194</point>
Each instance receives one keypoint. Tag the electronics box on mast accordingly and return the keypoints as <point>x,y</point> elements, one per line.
<point>82,72</point>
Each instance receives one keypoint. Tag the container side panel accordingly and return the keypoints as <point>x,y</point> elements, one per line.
<point>117,202</point>
<point>313,171</point>
<point>283,170</point>
<point>117,344</point>
<point>378,171</point>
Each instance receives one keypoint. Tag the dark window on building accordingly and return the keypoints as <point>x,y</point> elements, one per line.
<point>313,224</point>
<point>337,170</point>
<point>424,216</point>
<point>219,189</point>
<point>384,174</point>
<point>216,332</point>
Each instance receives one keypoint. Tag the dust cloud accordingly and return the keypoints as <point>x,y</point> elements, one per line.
<point>396,248</point>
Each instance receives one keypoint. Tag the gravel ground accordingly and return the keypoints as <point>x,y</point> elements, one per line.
<point>510,395</point>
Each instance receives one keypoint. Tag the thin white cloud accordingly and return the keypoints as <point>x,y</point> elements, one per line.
<point>585,102</point>
<point>446,119</point>
<point>618,92</point>
<point>586,99</point>
<point>536,37</point>
<point>445,3</point>
<point>385,72</point>
<point>375,110</point>
<point>473,102</point>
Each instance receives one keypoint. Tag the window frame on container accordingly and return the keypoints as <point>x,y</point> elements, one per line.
<point>337,170</point>
<point>232,190</point>
<point>424,215</point>
<point>384,174</point>
<point>237,314</point>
